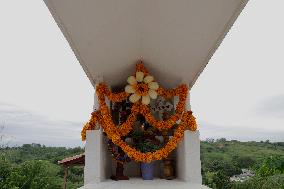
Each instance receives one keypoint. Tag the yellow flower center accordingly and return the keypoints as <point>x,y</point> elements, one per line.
<point>141,89</point>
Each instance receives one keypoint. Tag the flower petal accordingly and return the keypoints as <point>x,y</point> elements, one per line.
<point>134,98</point>
<point>146,100</point>
<point>131,80</point>
<point>148,79</point>
<point>153,85</point>
<point>129,89</point>
<point>153,94</point>
<point>139,76</point>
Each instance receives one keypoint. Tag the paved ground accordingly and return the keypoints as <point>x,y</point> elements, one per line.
<point>138,183</point>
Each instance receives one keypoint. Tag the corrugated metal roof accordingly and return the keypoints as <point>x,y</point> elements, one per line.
<point>77,159</point>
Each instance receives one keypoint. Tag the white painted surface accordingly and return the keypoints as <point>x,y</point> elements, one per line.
<point>188,105</point>
<point>188,158</point>
<point>175,38</point>
<point>96,102</point>
<point>98,162</point>
<point>188,154</point>
<point>96,107</point>
<point>93,169</point>
<point>138,183</point>
<point>97,158</point>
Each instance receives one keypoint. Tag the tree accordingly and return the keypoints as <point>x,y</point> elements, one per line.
<point>221,140</point>
<point>5,171</point>
<point>274,182</point>
<point>2,137</point>
<point>243,161</point>
<point>271,166</point>
<point>269,175</point>
<point>210,140</point>
<point>222,181</point>
<point>35,174</point>
<point>226,167</point>
<point>217,180</point>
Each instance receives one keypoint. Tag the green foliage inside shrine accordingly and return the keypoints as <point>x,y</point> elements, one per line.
<point>34,166</point>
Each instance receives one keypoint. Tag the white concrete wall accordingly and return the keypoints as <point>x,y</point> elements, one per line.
<point>97,158</point>
<point>106,159</point>
<point>188,155</point>
<point>92,170</point>
<point>98,162</point>
<point>188,158</point>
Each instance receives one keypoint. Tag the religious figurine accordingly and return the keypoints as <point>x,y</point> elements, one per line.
<point>121,158</point>
<point>123,109</point>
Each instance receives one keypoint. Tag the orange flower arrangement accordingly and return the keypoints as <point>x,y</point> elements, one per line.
<point>114,132</point>
<point>114,97</point>
<point>187,122</point>
<point>95,118</point>
<point>124,128</point>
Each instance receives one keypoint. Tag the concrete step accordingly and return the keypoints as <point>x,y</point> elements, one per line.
<point>139,183</point>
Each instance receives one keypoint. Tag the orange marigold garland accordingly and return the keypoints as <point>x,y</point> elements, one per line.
<point>114,97</point>
<point>180,91</point>
<point>187,122</point>
<point>124,128</point>
<point>95,118</point>
<point>115,132</point>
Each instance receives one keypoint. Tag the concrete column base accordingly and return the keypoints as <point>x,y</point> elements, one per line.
<point>97,166</point>
<point>188,158</point>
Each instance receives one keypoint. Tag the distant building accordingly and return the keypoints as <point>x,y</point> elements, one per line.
<point>245,175</point>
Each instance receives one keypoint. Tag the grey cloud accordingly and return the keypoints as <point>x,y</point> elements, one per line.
<point>23,126</point>
<point>272,107</point>
<point>242,133</point>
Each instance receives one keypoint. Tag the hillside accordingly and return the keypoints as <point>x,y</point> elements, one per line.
<point>221,159</point>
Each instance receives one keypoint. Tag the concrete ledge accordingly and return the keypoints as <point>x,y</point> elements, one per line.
<point>138,183</point>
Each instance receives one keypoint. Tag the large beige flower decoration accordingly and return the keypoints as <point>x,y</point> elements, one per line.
<point>141,86</point>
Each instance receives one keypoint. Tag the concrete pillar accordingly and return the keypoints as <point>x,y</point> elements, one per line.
<point>188,158</point>
<point>96,103</point>
<point>93,160</point>
<point>96,160</point>
<point>188,155</point>
<point>188,105</point>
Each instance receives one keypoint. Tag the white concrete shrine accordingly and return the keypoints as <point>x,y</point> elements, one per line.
<point>97,158</point>
<point>175,38</point>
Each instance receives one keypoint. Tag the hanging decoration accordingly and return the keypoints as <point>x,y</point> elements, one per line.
<point>141,86</point>
<point>162,105</point>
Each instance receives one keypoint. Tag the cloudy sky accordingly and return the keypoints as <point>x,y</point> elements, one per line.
<point>45,97</point>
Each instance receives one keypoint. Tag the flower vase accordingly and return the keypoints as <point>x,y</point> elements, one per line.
<point>147,170</point>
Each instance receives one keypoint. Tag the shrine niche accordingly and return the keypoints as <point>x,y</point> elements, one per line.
<point>132,129</point>
<point>143,116</point>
